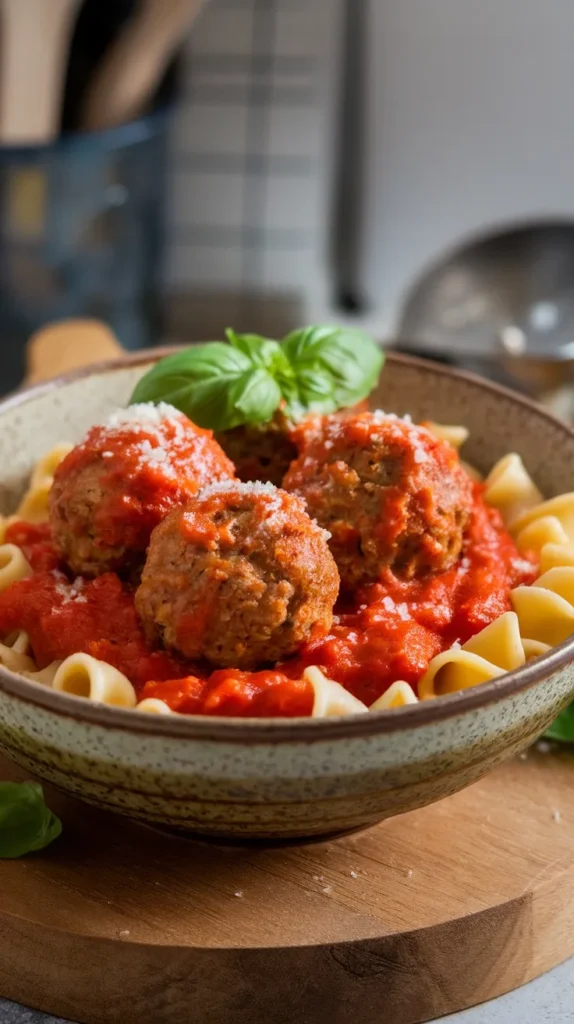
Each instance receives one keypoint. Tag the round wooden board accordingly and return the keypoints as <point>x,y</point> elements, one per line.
<point>420,916</point>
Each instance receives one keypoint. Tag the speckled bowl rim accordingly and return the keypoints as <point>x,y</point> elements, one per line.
<point>257,730</point>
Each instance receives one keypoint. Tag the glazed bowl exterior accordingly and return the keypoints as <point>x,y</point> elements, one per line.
<point>248,779</point>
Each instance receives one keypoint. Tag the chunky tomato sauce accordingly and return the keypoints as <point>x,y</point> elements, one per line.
<point>389,631</point>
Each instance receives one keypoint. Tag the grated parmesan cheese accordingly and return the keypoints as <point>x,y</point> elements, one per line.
<point>144,414</point>
<point>274,494</point>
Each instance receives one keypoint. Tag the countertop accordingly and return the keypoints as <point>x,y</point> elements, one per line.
<point>548,1000</point>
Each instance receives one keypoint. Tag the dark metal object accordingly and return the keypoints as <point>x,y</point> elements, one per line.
<point>504,306</point>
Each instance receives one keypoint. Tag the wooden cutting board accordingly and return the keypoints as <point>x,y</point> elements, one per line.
<point>420,916</point>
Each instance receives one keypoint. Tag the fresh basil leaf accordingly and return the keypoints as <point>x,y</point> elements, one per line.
<point>26,824</point>
<point>563,727</point>
<point>258,397</point>
<point>211,383</point>
<point>349,358</point>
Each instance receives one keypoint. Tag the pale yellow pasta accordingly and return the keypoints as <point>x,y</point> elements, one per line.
<point>554,556</point>
<point>510,489</point>
<point>13,565</point>
<point>500,642</point>
<point>454,434</point>
<point>497,649</point>
<point>331,699</point>
<point>13,656</point>
<point>398,695</point>
<point>48,464</point>
<point>19,642</point>
<point>154,706</point>
<point>34,505</point>
<point>546,609</point>
<point>45,676</point>
<point>534,648</point>
<point>561,507</point>
<point>84,676</point>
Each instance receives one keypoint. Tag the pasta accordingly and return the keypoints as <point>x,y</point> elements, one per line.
<point>13,653</point>
<point>398,695</point>
<point>13,565</point>
<point>84,676</point>
<point>45,676</point>
<point>510,489</point>
<point>495,650</point>
<point>542,614</point>
<point>153,706</point>
<point>330,697</point>
<point>34,505</point>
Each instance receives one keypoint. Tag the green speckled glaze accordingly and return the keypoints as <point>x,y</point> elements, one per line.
<point>259,780</point>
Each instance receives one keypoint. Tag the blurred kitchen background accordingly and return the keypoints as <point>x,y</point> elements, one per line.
<point>402,165</point>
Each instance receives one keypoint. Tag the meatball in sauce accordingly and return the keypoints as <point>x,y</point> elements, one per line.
<point>391,494</point>
<point>123,478</point>
<point>240,577</point>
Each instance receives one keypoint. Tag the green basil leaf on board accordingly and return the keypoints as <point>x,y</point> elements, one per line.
<point>563,728</point>
<point>26,823</point>
<point>221,386</point>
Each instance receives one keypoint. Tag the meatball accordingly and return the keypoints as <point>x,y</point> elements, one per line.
<point>122,480</point>
<point>260,452</point>
<point>392,495</point>
<point>266,451</point>
<point>240,577</point>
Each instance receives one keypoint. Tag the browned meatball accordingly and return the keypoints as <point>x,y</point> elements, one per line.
<point>240,577</point>
<point>391,494</point>
<point>122,480</point>
<point>260,452</point>
<point>265,452</point>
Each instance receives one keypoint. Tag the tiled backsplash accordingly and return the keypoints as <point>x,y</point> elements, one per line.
<point>253,154</point>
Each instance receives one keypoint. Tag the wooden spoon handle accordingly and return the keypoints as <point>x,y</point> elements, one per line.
<point>68,345</point>
<point>130,71</point>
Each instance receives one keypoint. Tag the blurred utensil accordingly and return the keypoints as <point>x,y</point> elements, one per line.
<point>503,305</point>
<point>130,71</point>
<point>34,38</point>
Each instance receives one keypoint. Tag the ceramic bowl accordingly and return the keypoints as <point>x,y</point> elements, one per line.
<point>246,780</point>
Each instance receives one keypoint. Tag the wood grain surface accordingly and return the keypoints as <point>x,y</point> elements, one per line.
<point>422,915</point>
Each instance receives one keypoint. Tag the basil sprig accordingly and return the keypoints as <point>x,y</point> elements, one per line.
<point>26,823</point>
<point>221,386</point>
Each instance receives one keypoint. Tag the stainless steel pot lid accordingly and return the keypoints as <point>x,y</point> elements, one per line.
<point>509,295</point>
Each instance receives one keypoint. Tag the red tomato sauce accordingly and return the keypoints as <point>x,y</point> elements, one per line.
<point>390,630</point>
<point>394,628</point>
<point>144,470</point>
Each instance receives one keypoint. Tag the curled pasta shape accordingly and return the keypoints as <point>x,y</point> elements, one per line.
<point>154,706</point>
<point>510,489</point>
<point>546,609</point>
<point>497,649</point>
<point>331,699</point>
<point>14,653</point>
<point>34,507</point>
<point>454,434</point>
<point>84,676</point>
<point>397,696</point>
<point>48,464</point>
<point>13,565</point>
<point>45,676</point>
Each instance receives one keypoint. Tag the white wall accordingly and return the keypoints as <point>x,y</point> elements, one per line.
<point>472,126</point>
